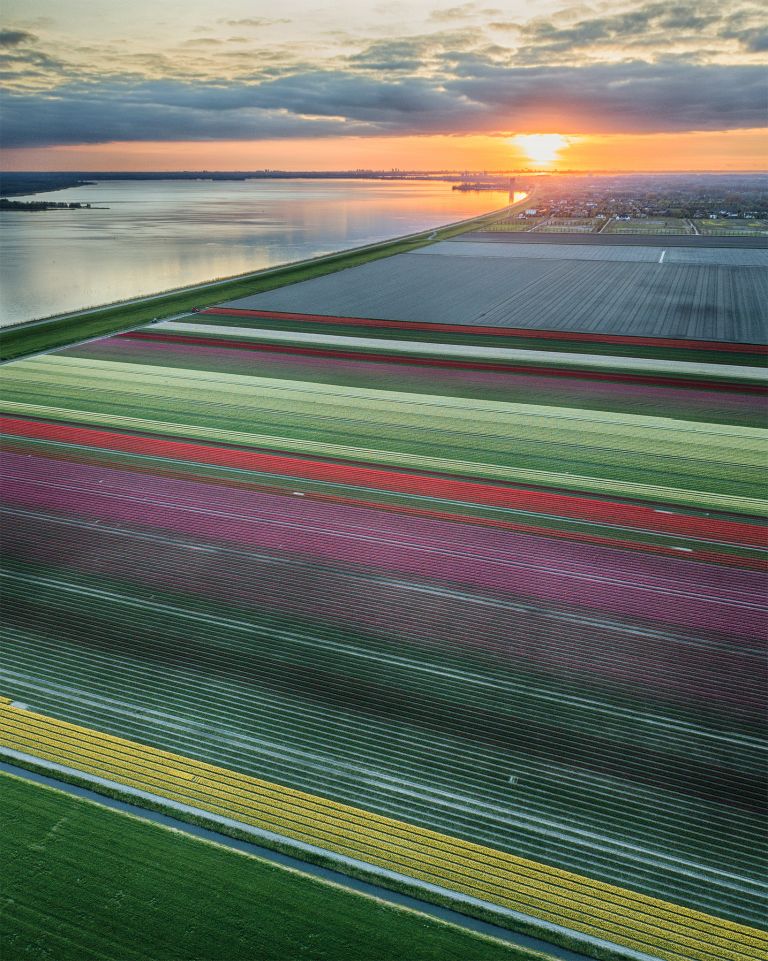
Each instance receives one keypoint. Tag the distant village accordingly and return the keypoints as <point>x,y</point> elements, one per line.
<point>630,198</point>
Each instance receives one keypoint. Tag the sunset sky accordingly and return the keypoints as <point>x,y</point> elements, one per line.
<point>303,84</point>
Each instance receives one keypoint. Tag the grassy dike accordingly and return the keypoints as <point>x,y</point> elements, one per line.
<point>81,881</point>
<point>31,337</point>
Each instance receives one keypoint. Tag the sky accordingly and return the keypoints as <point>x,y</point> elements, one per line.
<point>298,84</point>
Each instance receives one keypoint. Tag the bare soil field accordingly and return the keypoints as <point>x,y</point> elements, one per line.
<point>647,290</point>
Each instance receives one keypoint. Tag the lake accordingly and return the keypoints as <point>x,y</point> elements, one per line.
<point>156,235</point>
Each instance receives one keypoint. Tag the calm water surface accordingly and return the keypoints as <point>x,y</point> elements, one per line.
<point>157,235</point>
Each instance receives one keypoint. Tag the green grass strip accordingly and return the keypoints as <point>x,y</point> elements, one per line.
<point>48,333</point>
<point>81,881</point>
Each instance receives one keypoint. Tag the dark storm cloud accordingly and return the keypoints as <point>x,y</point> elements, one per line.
<point>652,23</point>
<point>453,81</point>
<point>412,105</point>
<point>30,122</point>
<point>482,97</point>
<point>621,98</point>
<point>656,24</point>
<point>13,38</point>
<point>408,53</point>
<point>18,60</point>
<point>414,54</point>
<point>752,40</point>
<point>756,42</point>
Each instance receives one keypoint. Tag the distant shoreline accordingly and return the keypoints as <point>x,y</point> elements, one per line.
<point>17,183</point>
<point>37,186</point>
<point>26,184</point>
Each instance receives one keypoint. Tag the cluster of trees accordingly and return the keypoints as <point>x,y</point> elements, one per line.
<point>6,204</point>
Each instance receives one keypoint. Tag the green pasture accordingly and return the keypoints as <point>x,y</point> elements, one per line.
<point>582,225</point>
<point>650,225</point>
<point>513,226</point>
<point>733,227</point>
<point>84,882</point>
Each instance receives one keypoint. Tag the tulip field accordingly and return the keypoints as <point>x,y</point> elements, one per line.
<point>483,609</point>
<point>555,896</point>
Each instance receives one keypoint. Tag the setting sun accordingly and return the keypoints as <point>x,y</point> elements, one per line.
<point>541,148</point>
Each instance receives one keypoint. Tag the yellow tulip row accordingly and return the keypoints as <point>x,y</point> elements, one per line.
<point>591,907</point>
<point>168,782</point>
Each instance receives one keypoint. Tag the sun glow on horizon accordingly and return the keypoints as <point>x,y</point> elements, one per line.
<point>542,149</point>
